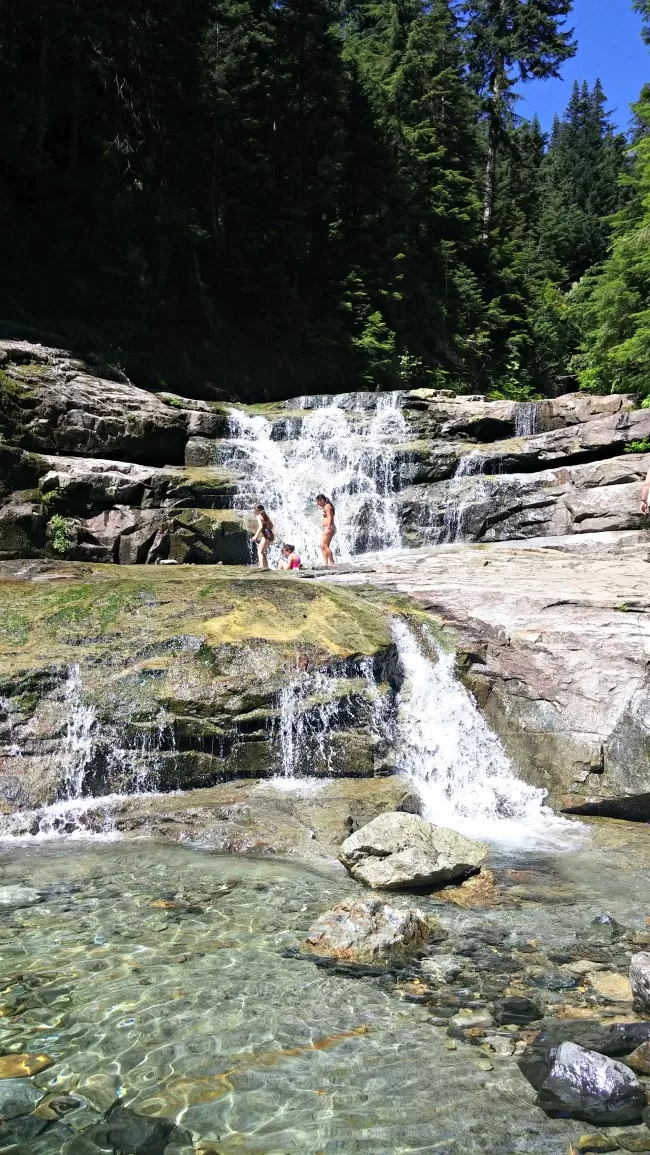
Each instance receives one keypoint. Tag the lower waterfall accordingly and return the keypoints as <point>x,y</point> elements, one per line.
<point>455,762</point>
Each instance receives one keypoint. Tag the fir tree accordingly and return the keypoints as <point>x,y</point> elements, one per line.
<point>510,41</point>
<point>580,185</point>
<point>613,307</point>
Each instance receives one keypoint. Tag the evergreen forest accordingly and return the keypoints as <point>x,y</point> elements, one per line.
<point>255,199</point>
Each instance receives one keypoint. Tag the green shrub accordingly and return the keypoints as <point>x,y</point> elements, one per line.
<point>61,534</point>
<point>638,446</point>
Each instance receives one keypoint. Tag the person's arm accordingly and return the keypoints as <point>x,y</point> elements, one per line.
<point>328,518</point>
<point>645,490</point>
<point>260,526</point>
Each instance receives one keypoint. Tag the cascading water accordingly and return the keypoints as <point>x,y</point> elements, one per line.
<point>353,458</point>
<point>130,767</point>
<point>453,526</point>
<point>527,419</point>
<point>458,766</point>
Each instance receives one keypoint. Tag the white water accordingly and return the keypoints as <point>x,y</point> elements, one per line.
<point>78,743</point>
<point>458,766</point>
<point>453,525</point>
<point>527,419</point>
<point>352,460</point>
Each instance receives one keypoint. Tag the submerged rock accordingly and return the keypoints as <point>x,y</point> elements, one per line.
<point>397,851</point>
<point>589,1086</point>
<point>15,897</point>
<point>640,978</point>
<point>126,1131</point>
<point>367,931</point>
<point>18,1097</point>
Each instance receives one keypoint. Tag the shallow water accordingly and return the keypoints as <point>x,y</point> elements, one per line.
<point>202,1020</point>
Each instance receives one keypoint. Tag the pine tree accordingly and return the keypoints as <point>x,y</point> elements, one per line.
<point>643,7</point>
<point>580,185</point>
<point>510,41</point>
<point>613,307</point>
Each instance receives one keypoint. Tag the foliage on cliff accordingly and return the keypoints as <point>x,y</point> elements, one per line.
<point>273,198</point>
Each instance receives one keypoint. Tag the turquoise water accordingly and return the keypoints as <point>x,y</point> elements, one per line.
<point>197,1016</point>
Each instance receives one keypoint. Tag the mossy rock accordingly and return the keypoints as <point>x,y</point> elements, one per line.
<point>185,657</point>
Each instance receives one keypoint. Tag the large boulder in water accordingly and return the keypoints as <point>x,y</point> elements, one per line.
<point>589,1086</point>
<point>398,851</point>
<point>640,978</point>
<point>368,931</point>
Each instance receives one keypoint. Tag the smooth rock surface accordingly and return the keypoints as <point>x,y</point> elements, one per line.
<point>397,851</point>
<point>367,930</point>
<point>592,1087</point>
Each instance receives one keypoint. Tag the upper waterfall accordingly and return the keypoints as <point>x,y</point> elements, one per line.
<point>351,456</point>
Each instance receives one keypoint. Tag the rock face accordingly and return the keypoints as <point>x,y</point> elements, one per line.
<point>590,1086</point>
<point>592,498</point>
<point>552,640</point>
<point>112,678</point>
<point>368,931</point>
<point>398,851</point>
<point>640,979</point>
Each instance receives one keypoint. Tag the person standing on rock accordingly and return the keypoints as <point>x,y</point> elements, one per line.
<point>329,528</point>
<point>264,536</point>
<point>645,490</point>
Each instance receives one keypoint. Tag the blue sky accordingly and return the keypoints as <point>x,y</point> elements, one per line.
<point>609,47</point>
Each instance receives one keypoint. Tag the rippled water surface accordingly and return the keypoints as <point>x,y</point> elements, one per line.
<point>162,966</point>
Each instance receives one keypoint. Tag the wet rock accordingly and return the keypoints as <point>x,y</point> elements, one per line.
<point>519,1011</point>
<point>589,1086</point>
<point>398,851</point>
<point>611,986</point>
<point>603,929</point>
<point>101,1091</point>
<point>445,968</point>
<point>17,1097</point>
<point>20,1066</point>
<point>615,1041</point>
<point>467,1018</point>
<point>20,1130</point>
<point>15,897</point>
<point>631,1138</point>
<point>639,1060</point>
<point>640,978</point>
<point>367,931</point>
<point>127,1133</point>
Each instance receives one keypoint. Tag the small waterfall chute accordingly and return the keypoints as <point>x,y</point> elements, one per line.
<point>457,764</point>
<point>454,521</point>
<point>527,419</point>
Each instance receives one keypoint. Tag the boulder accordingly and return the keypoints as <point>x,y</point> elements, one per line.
<point>49,401</point>
<point>640,979</point>
<point>22,528</point>
<point>366,931</point>
<point>397,851</point>
<point>589,1086</point>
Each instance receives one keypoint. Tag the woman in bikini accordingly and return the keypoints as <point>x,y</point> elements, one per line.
<point>329,528</point>
<point>264,536</point>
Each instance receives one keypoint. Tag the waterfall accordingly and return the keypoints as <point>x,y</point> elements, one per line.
<point>453,527</point>
<point>129,765</point>
<point>78,743</point>
<point>527,419</point>
<point>307,709</point>
<point>459,767</point>
<point>352,457</point>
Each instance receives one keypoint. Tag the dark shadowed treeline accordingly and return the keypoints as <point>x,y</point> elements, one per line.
<point>275,198</point>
